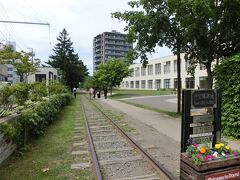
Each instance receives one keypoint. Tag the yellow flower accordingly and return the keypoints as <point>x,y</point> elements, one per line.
<point>227,147</point>
<point>202,150</point>
<point>217,146</point>
<point>221,144</point>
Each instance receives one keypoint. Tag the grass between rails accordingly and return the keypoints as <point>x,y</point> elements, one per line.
<point>51,153</point>
<point>172,114</point>
<point>121,93</point>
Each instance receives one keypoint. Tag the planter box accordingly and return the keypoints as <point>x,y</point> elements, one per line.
<point>221,169</point>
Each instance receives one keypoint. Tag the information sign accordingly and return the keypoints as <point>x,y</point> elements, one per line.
<point>203,98</point>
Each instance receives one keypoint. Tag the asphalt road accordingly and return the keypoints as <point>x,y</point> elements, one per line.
<point>168,102</point>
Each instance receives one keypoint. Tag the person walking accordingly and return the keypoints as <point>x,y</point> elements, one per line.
<point>75,92</point>
<point>94,93</point>
<point>90,92</point>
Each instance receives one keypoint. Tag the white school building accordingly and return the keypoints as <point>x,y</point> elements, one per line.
<point>162,73</point>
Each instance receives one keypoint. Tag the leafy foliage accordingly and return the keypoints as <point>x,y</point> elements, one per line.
<point>205,31</point>
<point>21,92</point>
<point>227,79</point>
<point>73,70</point>
<point>22,61</point>
<point>110,74</point>
<point>38,118</point>
<point>35,119</point>
<point>12,131</point>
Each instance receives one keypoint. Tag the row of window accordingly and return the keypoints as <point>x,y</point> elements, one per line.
<point>146,84</point>
<point>189,83</point>
<point>166,69</point>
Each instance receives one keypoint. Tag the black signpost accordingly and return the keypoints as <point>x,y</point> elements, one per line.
<point>205,127</point>
<point>201,123</point>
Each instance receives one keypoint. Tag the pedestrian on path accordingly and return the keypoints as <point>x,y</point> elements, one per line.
<point>75,92</point>
<point>94,93</point>
<point>90,92</point>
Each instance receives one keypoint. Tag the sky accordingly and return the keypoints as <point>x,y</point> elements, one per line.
<point>83,20</point>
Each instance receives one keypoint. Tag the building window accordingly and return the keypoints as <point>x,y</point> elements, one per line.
<point>187,65</point>
<point>10,75</point>
<point>167,67</point>
<point>10,69</point>
<point>137,71</point>
<point>132,84</point>
<point>122,84</point>
<point>131,73</point>
<point>175,83</point>
<point>136,84</point>
<point>175,66</point>
<point>150,84</point>
<point>150,69</point>
<point>158,83</point>
<point>143,84</point>
<point>189,82</point>
<point>127,84</point>
<point>40,77</point>
<point>158,68</point>
<point>203,83</point>
<point>166,83</point>
<point>143,71</point>
<point>202,66</point>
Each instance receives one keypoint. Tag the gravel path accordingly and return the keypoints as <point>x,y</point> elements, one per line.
<point>155,129</point>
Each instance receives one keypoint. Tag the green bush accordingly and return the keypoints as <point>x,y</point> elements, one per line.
<point>38,118</point>
<point>21,92</point>
<point>5,94</point>
<point>38,91</point>
<point>227,80</point>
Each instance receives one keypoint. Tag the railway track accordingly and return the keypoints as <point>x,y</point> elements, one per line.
<point>114,154</point>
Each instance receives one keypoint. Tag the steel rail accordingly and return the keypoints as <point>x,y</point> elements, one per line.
<point>156,165</point>
<point>96,166</point>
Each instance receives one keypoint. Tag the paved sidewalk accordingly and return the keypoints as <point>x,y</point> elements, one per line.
<point>164,124</point>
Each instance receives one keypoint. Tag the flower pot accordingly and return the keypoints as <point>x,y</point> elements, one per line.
<point>223,168</point>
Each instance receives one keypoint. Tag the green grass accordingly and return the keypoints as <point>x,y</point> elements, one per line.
<point>121,93</point>
<point>51,151</point>
<point>169,113</point>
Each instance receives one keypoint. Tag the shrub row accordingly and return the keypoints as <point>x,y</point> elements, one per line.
<point>36,119</point>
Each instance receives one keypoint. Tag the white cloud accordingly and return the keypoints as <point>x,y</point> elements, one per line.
<point>83,19</point>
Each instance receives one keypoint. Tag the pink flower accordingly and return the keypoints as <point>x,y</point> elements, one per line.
<point>205,158</point>
<point>199,155</point>
<point>235,153</point>
<point>195,145</point>
<point>209,157</point>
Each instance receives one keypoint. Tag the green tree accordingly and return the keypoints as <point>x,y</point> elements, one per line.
<point>7,55</point>
<point>206,31</point>
<point>25,66</point>
<point>211,30</point>
<point>110,74</point>
<point>73,70</point>
<point>22,61</point>
<point>151,24</point>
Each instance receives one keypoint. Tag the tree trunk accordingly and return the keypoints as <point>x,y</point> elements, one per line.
<point>210,76</point>
<point>179,84</point>
<point>21,78</point>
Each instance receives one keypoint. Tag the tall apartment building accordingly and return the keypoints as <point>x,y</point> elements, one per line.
<point>109,45</point>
